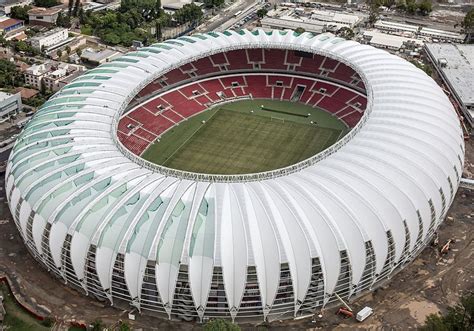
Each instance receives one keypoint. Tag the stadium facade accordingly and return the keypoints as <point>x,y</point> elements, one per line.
<point>249,247</point>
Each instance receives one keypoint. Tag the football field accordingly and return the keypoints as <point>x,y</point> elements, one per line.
<point>244,137</point>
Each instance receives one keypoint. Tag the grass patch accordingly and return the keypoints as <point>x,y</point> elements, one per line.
<point>16,318</point>
<point>235,140</point>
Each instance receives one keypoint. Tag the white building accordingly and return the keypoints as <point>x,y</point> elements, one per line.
<point>443,35</point>
<point>290,23</point>
<point>334,17</point>
<point>7,5</point>
<point>10,103</point>
<point>455,64</point>
<point>49,39</point>
<point>53,75</point>
<point>390,42</point>
<point>395,27</point>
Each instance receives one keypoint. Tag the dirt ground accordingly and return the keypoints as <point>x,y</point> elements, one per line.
<point>429,284</point>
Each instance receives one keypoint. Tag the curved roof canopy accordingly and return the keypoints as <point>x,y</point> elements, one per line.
<point>69,174</point>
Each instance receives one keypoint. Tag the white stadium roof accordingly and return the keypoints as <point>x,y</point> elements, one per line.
<point>70,180</point>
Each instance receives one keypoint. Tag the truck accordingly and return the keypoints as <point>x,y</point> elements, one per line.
<point>364,313</point>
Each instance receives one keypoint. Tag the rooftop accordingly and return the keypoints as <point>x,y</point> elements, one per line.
<point>459,68</point>
<point>44,11</point>
<point>383,39</point>
<point>48,33</point>
<point>97,56</point>
<point>6,22</point>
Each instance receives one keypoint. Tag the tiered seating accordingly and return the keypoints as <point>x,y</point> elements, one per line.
<point>274,59</point>
<point>274,80</point>
<point>212,87</point>
<point>257,86</point>
<point>204,66</point>
<point>150,88</point>
<point>291,58</point>
<point>342,73</point>
<point>238,60</point>
<point>174,76</point>
<point>311,64</point>
<point>172,115</point>
<point>219,59</point>
<point>135,144</point>
<point>191,91</point>
<point>145,134</point>
<point>329,64</point>
<point>255,55</point>
<point>143,125</point>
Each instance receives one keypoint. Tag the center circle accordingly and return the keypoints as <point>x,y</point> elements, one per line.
<point>229,114</point>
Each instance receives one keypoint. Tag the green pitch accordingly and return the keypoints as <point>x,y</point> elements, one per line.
<point>231,139</point>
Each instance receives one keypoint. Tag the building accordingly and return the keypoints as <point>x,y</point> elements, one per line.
<point>51,75</point>
<point>335,17</point>
<point>397,28</point>
<point>9,104</point>
<point>249,247</point>
<point>9,25</point>
<point>290,23</point>
<point>7,5</point>
<point>442,35</point>
<point>95,57</point>
<point>391,42</point>
<point>43,16</point>
<point>50,39</point>
<point>455,64</point>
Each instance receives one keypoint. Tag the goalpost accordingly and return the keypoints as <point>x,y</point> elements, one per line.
<point>277,119</point>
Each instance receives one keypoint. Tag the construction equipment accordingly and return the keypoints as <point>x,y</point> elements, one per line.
<point>345,312</point>
<point>446,247</point>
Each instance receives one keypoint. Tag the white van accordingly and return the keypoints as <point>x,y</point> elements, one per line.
<point>364,313</point>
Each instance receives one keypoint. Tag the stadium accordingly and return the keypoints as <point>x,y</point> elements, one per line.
<point>247,175</point>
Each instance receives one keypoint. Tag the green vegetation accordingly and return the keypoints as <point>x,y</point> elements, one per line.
<point>299,30</point>
<point>232,140</point>
<point>16,318</point>
<point>46,3</point>
<point>10,77</point>
<point>20,13</point>
<point>213,3</point>
<point>458,318</point>
<point>423,7</point>
<point>468,24</point>
<point>134,20</point>
<point>220,325</point>
<point>262,12</point>
<point>425,67</point>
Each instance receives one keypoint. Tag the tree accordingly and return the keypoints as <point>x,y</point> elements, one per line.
<point>468,24</point>
<point>75,9</point>
<point>299,30</point>
<point>373,13</point>
<point>79,52</point>
<point>97,325</point>
<point>460,317</point>
<point>59,53</point>
<point>411,6</point>
<point>70,4</point>
<point>46,3</point>
<point>346,33</point>
<point>262,12</point>
<point>20,13</point>
<point>68,50</point>
<point>63,20</point>
<point>220,325</point>
<point>425,7</point>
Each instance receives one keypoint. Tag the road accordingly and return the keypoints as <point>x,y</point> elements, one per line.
<point>225,18</point>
